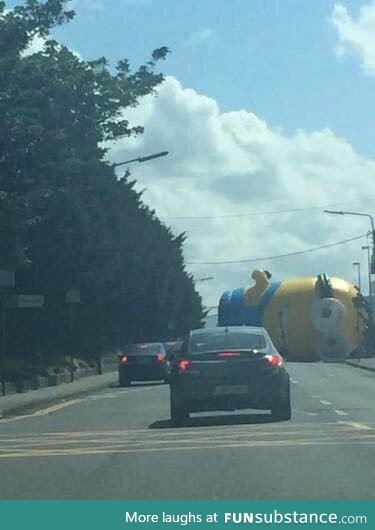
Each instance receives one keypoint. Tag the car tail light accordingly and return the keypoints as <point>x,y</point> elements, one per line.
<point>183,365</point>
<point>160,357</point>
<point>274,360</point>
<point>229,354</point>
<point>124,358</point>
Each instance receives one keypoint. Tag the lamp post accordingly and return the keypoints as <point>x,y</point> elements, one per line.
<point>358,265</point>
<point>141,159</point>
<point>360,214</point>
<point>368,248</point>
<point>206,279</point>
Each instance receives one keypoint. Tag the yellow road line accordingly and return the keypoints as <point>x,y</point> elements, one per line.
<point>42,412</point>
<point>103,451</point>
<point>131,444</point>
<point>128,437</point>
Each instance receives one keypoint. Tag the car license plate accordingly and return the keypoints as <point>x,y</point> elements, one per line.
<point>144,360</point>
<point>230,390</point>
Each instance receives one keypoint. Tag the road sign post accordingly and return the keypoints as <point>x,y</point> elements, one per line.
<point>7,281</point>
<point>72,297</point>
<point>3,341</point>
<point>72,341</point>
<point>17,301</point>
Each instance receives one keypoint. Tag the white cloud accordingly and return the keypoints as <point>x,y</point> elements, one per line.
<point>37,45</point>
<point>235,163</point>
<point>356,36</point>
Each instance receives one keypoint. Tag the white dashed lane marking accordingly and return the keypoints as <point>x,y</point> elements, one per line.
<point>356,425</point>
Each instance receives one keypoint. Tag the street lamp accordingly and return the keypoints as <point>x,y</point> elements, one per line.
<point>206,279</point>
<point>358,265</point>
<point>360,214</point>
<point>142,158</point>
<point>368,248</point>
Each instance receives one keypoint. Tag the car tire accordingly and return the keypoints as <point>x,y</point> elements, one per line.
<point>124,381</point>
<point>179,413</point>
<point>282,410</point>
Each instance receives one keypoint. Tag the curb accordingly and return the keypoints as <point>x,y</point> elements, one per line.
<point>362,366</point>
<point>18,403</point>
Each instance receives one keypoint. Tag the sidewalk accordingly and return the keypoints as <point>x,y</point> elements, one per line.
<point>367,363</point>
<point>34,398</point>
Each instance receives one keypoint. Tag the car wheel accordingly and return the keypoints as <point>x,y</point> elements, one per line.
<point>124,381</point>
<point>179,414</point>
<point>282,410</point>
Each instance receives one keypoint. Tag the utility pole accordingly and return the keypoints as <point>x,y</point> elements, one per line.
<point>367,247</point>
<point>360,214</point>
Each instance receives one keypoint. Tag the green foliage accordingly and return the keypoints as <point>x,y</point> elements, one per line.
<point>67,221</point>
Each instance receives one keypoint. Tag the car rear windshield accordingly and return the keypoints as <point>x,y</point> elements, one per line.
<point>144,349</point>
<point>173,346</point>
<point>226,341</point>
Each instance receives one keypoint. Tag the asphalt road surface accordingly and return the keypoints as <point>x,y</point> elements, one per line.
<point>118,444</point>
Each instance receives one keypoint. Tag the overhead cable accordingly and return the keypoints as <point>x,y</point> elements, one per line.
<point>256,213</point>
<point>278,256</point>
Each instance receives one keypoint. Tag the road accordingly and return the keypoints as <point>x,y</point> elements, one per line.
<point>117,444</point>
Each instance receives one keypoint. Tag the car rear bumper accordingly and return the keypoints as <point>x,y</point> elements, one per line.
<point>262,394</point>
<point>143,373</point>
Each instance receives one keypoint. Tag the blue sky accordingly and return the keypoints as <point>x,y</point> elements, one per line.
<point>278,62</point>
<point>271,57</point>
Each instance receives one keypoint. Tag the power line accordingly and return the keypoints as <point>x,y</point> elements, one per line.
<point>272,212</point>
<point>269,258</point>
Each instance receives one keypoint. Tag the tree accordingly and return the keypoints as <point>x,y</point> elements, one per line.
<point>69,221</point>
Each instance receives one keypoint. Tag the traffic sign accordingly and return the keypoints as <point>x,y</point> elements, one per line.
<point>7,278</point>
<point>73,296</point>
<point>26,300</point>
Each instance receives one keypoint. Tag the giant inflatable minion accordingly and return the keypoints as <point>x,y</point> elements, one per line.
<point>308,318</point>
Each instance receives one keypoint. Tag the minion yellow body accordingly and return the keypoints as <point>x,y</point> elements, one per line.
<point>308,318</point>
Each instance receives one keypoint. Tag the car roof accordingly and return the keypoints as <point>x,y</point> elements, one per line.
<point>144,344</point>
<point>228,329</point>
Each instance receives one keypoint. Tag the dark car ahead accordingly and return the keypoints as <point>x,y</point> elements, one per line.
<point>172,347</point>
<point>143,362</point>
<point>228,369</point>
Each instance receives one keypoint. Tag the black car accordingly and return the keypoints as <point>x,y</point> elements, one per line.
<point>172,347</point>
<point>143,362</point>
<point>228,369</point>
